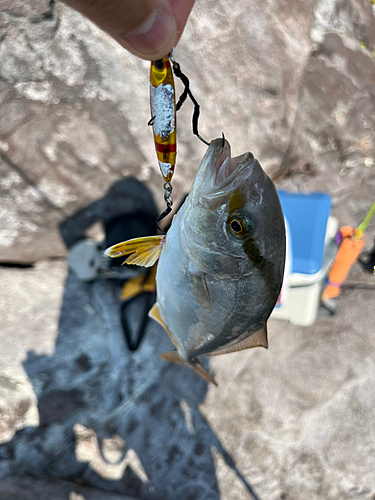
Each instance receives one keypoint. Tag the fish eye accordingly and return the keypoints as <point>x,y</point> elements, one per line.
<point>239,225</point>
<point>159,64</point>
<point>236,226</point>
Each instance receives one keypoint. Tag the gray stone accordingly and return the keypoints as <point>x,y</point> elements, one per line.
<point>291,81</point>
<point>294,421</point>
<point>62,145</point>
<point>152,406</point>
<point>30,300</point>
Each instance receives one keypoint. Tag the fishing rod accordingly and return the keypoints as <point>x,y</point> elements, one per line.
<point>351,244</point>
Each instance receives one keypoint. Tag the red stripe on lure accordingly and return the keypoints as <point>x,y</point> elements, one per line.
<point>163,113</point>
<point>165,148</point>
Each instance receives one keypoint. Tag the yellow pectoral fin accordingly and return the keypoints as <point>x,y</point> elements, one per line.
<point>144,251</point>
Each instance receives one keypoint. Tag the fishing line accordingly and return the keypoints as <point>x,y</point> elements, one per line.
<point>187,92</point>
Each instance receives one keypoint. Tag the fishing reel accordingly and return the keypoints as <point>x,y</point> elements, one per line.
<point>86,259</point>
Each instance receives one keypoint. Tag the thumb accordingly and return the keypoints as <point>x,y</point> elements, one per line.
<point>147,28</point>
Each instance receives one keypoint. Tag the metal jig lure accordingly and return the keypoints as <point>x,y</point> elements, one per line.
<point>163,119</point>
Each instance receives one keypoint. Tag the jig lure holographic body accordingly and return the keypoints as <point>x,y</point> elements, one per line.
<point>163,112</point>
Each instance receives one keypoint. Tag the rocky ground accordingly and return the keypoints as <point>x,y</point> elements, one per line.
<point>79,414</point>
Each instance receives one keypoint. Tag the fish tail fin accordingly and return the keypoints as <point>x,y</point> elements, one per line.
<point>194,364</point>
<point>144,251</point>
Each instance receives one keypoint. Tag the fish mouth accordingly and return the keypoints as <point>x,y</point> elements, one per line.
<point>226,167</point>
<point>224,173</point>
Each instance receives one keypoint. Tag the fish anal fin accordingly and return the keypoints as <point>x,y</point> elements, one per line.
<point>142,251</point>
<point>197,366</point>
<point>194,364</point>
<point>155,314</point>
<point>172,357</point>
<point>256,339</point>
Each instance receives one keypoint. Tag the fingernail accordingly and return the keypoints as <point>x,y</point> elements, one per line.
<point>157,32</point>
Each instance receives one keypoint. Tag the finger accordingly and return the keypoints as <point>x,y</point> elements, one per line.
<point>181,10</point>
<point>147,28</point>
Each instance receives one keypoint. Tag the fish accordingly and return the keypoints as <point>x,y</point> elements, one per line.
<point>220,266</point>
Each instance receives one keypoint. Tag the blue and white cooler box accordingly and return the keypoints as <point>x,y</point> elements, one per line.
<point>311,248</point>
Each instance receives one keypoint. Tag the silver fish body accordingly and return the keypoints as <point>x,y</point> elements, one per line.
<point>221,266</point>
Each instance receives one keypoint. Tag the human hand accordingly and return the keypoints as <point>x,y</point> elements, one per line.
<point>147,28</point>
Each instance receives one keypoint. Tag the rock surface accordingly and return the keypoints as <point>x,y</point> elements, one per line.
<point>292,422</point>
<point>292,81</point>
<point>30,301</point>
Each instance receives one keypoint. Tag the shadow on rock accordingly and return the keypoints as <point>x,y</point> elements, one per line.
<point>117,420</point>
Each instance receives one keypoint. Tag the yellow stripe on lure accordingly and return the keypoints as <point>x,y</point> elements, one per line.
<point>163,115</point>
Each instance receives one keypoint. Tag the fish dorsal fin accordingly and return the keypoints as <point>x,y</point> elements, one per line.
<point>256,339</point>
<point>154,313</point>
<point>195,365</point>
<point>144,251</point>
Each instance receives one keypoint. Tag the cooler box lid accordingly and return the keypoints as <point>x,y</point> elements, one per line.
<point>307,216</point>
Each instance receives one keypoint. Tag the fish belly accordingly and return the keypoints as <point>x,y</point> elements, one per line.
<point>232,310</point>
<point>199,327</point>
<point>174,296</point>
